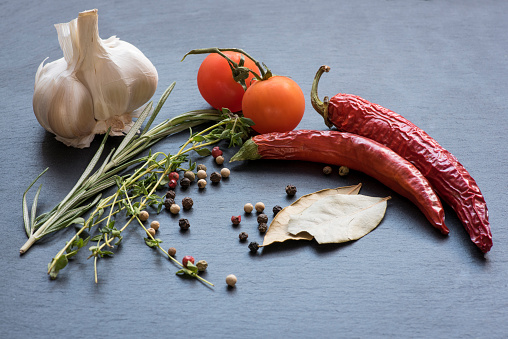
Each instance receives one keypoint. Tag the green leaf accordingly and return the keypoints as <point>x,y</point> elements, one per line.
<point>198,138</point>
<point>152,243</point>
<point>29,226</point>
<point>98,237</point>
<point>247,121</point>
<point>204,152</point>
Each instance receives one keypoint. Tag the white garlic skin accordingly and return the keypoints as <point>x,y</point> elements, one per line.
<point>96,85</point>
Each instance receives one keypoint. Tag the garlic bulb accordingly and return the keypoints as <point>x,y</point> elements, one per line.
<point>96,85</point>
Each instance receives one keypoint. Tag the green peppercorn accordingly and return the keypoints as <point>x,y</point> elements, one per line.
<point>291,190</point>
<point>189,175</point>
<point>202,265</point>
<point>151,231</point>
<point>327,170</point>
<point>172,251</point>
<point>143,215</point>
<point>201,167</point>
<point>262,218</point>
<point>184,224</point>
<point>215,177</point>
<point>343,171</point>
<point>243,236</point>
<point>253,247</point>
<point>263,227</point>
<point>276,209</point>
<point>155,225</point>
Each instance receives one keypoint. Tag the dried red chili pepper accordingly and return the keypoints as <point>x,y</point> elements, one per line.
<point>449,178</point>
<point>355,152</point>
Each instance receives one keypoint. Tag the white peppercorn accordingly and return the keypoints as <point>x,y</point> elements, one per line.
<point>248,208</point>
<point>225,172</point>
<point>201,183</point>
<point>143,215</point>
<point>219,160</point>
<point>175,209</point>
<point>231,280</point>
<point>260,207</point>
<point>201,174</point>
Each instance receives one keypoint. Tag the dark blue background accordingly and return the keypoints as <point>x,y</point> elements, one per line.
<point>441,64</point>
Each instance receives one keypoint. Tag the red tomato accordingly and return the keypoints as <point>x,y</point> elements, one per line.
<point>275,105</point>
<point>216,84</point>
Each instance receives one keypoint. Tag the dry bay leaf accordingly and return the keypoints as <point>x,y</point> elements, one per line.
<point>339,218</point>
<point>278,230</point>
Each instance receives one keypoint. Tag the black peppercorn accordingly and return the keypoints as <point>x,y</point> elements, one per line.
<point>243,236</point>
<point>168,202</point>
<point>187,203</point>
<point>262,227</point>
<point>215,177</point>
<point>184,224</point>
<point>291,190</point>
<point>253,247</point>
<point>185,182</point>
<point>171,194</point>
<point>276,209</point>
<point>262,218</point>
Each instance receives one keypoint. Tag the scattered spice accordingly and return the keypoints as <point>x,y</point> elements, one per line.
<point>231,280</point>
<point>262,227</point>
<point>201,167</point>
<point>291,190</point>
<point>171,194</point>
<point>276,209</point>
<point>248,207</point>
<point>173,175</point>
<point>343,171</point>
<point>253,247</point>
<point>202,265</point>
<point>187,259</point>
<point>184,224</point>
<point>201,183</point>
<point>151,231</point>
<point>175,209</point>
<point>327,170</point>
<point>143,215</point>
<point>216,151</point>
<point>236,219</point>
<point>219,160</point>
<point>172,251</point>
<point>155,225</point>
<point>185,182</point>
<point>187,203</point>
<point>262,218</point>
<point>172,183</point>
<point>225,172</point>
<point>243,236</point>
<point>260,207</point>
<point>215,177</point>
<point>202,174</point>
<point>168,202</point>
<point>189,175</point>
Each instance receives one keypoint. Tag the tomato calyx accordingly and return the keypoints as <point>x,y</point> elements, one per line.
<point>239,71</point>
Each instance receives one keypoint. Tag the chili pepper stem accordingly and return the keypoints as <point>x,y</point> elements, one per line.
<point>248,151</point>
<point>320,106</point>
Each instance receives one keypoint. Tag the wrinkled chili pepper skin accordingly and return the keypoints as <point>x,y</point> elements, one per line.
<point>449,178</point>
<point>358,153</point>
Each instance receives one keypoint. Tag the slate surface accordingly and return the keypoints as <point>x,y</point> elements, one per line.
<point>442,64</point>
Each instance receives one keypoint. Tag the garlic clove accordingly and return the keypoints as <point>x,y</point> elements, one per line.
<point>98,84</point>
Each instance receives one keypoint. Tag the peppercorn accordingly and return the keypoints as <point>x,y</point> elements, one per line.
<point>171,194</point>
<point>219,160</point>
<point>175,209</point>
<point>201,167</point>
<point>172,183</point>
<point>187,203</point>
<point>168,202</point>
<point>173,175</point>
<point>185,182</point>
<point>225,172</point>
<point>172,251</point>
<point>202,174</point>
<point>253,247</point>
<point>243,236</point>
<point>262,218</point>
<point>276,209</point>
<point>187,259</point>
<point>184,224</point>
<point>201,183</point>
<point>143,215</point>
<point>202,265</point>
<point>260,207</point>
<point>231,280</point>
<point>248,208</point>
<point>151,231</point>
<point>327,170</point>
<point>343,171</point>
<point>290,190</point>
<point>262,227</point>
<point>215,177</point>
<point>216,152</point>
<point>189,175</point>
<point>236,219</point>
<point>155,225</point>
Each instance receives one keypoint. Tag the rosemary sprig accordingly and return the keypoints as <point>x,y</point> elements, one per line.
<point>142,185</point>
<point>66,213</point>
